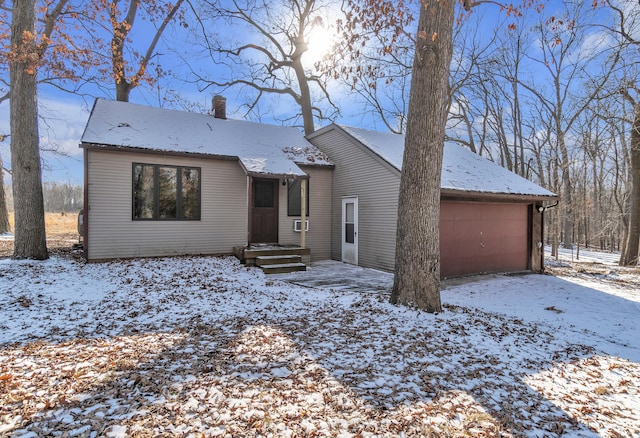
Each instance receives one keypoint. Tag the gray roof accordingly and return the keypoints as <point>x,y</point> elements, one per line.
<point>260,148</point>
<point>462,170</point>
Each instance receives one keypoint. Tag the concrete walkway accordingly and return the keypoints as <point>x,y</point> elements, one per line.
<point>340,276</point>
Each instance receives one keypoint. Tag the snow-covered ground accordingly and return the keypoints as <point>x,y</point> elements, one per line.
<point>584,255</point>
<point>203,346</point>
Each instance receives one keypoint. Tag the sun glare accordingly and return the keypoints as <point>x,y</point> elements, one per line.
<point>319,43</point>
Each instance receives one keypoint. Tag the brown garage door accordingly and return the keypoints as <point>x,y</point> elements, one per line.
<point>478,238</point>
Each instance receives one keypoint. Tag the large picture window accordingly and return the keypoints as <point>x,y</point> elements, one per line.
<point>294,198</point>
<point>165,192</point>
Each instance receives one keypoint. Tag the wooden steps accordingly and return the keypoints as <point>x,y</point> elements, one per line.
<point>275,259</point>
<point>284,268</point>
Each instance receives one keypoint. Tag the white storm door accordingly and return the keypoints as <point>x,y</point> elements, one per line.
<point>350,230</point>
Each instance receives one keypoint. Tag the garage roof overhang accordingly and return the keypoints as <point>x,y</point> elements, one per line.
<point>472,196</point>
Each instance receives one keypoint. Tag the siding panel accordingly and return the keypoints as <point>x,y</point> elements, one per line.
<point>376,184</point>
<point>318,236</point>
<point>113,233</point>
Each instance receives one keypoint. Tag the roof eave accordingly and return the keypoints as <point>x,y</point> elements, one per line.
<point>323,165</point>
<point>276,175</point>
<point>133,149</point>
<point>363,145</point>
<point>468,195</point>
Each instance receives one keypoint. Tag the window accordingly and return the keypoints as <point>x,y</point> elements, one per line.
<point>190,178</point>
<point>294,197</point>
<point>349,223</point>
<point>263,193</point>
<point>166,192</point>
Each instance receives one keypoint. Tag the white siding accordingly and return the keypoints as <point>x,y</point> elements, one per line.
<point>112,232</point>
<point>359,172</point>
<point>318,236</point>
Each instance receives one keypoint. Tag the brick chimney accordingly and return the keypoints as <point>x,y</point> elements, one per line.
<point>219,104</point>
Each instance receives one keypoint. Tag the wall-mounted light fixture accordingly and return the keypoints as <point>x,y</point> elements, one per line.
<point>543,208</point>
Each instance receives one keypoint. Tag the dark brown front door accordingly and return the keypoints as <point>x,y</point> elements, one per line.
<point>264,211</point>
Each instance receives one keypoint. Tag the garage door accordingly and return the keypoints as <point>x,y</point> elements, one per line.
<point>479,238</point>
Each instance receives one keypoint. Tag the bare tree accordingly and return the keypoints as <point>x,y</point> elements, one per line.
<point>67,55</point>
<point>417,264</point>
<point>62,197</point>
<point>618,130</point>
<point>130,68</point>
<point>57,66</point>
<point>507,66</point>
<point>92,41</point>
<point>473,91</point>
<point>565,60</point>
<point>384,90</point>
<point>266,55</point>
<point>62,55</point>
<point>4,213</point>
<point>374,58</point>
<point>630,255</point>
<point>30,238</point>
<point>417,247</point>
<point>626,27</point>
<point>380,71</point>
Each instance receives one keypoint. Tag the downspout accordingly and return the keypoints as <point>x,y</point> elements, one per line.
<point>541,239</point>
<point>85,207</point>
<point>303,213</point>
<point>249,208</point>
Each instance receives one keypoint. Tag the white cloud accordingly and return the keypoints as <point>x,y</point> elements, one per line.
<point>631,16</point>
<point>593,45</point>
<point>62,122</point>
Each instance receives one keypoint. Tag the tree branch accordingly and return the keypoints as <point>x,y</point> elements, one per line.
<point>152,47</point>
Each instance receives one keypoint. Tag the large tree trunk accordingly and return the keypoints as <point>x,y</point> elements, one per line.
<point>632,247</point>
<point>417,262</point>
<point>567,211</point>
<point>118,39</point>
<point>567,189</point>
<point>30,238</point>
<point>303,83</point>
<point>123,90</point>
<point>4,212</point>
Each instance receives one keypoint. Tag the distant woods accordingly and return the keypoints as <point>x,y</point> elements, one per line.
<point>58,197</point>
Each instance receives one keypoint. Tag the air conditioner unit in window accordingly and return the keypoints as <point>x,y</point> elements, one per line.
<point>297,225</point>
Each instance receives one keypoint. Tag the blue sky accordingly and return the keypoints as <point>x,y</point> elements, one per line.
<point>63,115</point>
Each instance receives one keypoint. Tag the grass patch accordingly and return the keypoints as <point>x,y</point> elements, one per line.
<point>55,223</point>
<point>61,228</point>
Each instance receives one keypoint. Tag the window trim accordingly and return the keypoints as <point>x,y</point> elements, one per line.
<point>156,193</point>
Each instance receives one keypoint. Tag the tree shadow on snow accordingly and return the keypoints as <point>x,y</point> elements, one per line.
<point>353,367</point>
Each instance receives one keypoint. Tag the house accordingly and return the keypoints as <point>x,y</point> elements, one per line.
<point>163,182</point>
<point>491,218</point>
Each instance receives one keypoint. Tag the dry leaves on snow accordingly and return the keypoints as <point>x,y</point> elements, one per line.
<point>199,346</point>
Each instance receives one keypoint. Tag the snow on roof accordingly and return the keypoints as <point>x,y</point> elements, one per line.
<point>462,170</point>
<point>261,148</point>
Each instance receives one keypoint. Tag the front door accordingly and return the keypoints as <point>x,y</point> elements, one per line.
<point>350,230</point>
<point>264,211</point>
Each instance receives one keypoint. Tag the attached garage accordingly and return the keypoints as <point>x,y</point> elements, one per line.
<point>483,237</point>
<point>491,219</point>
